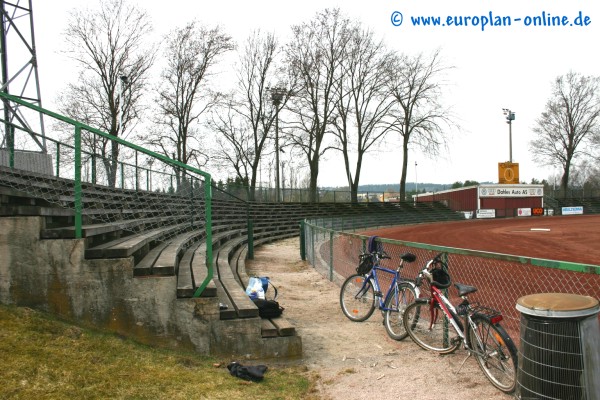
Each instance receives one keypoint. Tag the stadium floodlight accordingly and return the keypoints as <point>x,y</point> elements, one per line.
<point>277,95</point>
<point>510,116</point>
<point>416,184</point>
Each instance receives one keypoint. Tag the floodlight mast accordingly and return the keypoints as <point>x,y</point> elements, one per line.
<point>416,185</point>
<point>17,30</point>
<point>510,116</point>
<point>277,96</point>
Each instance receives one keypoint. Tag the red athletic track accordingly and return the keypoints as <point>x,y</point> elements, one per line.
<point>564,238</point>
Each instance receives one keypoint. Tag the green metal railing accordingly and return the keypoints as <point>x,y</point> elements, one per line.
<point>76,169</point>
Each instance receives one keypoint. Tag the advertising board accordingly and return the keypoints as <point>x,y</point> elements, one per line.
<point>486,213</point>
<point>572,210</point>
<point>524,212</point>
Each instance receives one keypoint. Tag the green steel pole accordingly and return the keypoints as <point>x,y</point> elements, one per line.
<point>122,175</point>
<point>208,228</point>
<point>94,160</point>
<point>58,160</point>
<point>11,146</point>
<point>137,185</point>
<point>78,201</point>
<point>191,199</point>
<point>250,239</point>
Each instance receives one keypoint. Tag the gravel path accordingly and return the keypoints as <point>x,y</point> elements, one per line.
<point>358,360</point>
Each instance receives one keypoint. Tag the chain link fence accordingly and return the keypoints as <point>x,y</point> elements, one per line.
<point>501,279</point>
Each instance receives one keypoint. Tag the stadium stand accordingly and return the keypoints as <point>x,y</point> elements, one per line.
<point>164,242</point>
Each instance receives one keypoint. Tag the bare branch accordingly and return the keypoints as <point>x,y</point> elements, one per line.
<point>184,94</point>
<point>108,43</point>
<point>419,116</point>
<point>569,127</point>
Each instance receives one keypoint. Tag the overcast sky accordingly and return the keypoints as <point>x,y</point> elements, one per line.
<point>494,67</point>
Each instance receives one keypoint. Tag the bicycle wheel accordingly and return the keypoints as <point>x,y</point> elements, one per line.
<point>357,298</point>
<point>430,329</point>
<point>496,354</point>
<point>395,303</point>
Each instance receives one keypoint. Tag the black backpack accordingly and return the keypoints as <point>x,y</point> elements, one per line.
<point>365,264</point>
<point>268,308</point>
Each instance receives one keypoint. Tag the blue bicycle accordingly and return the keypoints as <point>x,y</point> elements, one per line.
<point>361,292</point>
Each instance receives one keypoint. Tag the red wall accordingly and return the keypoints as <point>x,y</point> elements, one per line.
<point>457,200</point>
<point>466,200</point>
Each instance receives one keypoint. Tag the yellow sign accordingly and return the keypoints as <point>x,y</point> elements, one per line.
<point>508,173</point>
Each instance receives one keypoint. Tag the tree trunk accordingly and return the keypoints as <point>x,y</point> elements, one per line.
<point>402,195</point>
<point>354,192</point>
<point>314,174</point>
<point>564,182</point>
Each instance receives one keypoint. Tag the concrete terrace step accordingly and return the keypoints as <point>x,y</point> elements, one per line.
<point>130,245</point>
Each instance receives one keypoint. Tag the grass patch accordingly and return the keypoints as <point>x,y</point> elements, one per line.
<point>43,358</point>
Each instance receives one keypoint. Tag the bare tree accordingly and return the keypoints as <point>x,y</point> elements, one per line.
<point>247,119</point>
<point>184,94</point>
<point>110,48</point>
<point>362,101</point>
<point>570,121</point>
<point>315,55</point>
<point>234,147</point>
<point>419,116</point>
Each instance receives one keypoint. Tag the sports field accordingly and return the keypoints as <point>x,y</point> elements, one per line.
<point>563,238</point>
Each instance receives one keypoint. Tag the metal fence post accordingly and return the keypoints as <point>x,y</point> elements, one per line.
<point>331,255</point>
<point>250,239</point>
<point>302,241</point>
<point>312,245</point>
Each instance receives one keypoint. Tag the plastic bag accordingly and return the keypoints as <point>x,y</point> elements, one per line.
<point>255,288</point>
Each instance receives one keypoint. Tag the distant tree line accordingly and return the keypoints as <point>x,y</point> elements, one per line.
<point>333,87</point>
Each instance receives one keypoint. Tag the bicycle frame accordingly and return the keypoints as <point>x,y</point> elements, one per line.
<point>438,298</point>
<point>373,279</point>
<point>444,304</point>
<point>477,327</point>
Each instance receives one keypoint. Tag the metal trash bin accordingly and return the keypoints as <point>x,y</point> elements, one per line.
<point>559,353</point>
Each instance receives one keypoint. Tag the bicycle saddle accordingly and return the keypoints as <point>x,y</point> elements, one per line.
<point>464,289</point>
<point>408,257</point>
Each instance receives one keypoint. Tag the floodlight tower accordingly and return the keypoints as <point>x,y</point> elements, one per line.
<point>416,184</point>
<point>20,73</point>
<point>277,96</point>
<point>510,116</point>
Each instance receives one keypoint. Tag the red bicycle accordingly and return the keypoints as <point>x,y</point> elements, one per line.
<point>435,324</point>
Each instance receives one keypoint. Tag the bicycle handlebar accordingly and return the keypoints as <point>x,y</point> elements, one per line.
<point>382,255</point>
<point>431,264</point>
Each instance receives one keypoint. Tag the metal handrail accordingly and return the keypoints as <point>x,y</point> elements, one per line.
<point>78,182</point>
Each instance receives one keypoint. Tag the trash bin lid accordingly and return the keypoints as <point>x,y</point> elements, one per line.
<point>559,305</point>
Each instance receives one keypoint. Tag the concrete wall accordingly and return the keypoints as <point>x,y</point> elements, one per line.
<point>53,276</point>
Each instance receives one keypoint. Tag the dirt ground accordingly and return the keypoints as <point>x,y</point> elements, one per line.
<point>357,360</point>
